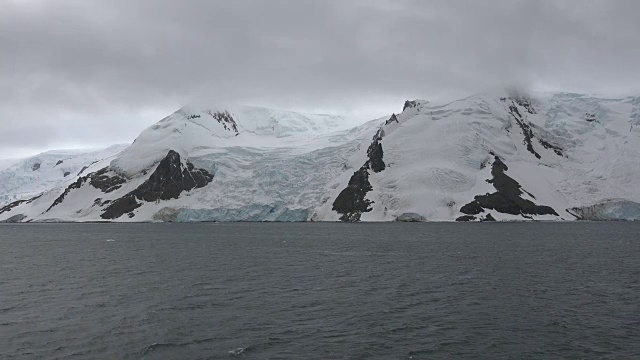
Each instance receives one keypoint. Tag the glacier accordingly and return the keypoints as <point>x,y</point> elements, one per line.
<point>255,212</point>
<point>24,178</point>
<point>614,209</point>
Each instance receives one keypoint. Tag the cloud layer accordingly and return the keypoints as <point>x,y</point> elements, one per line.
<point>75,72</point>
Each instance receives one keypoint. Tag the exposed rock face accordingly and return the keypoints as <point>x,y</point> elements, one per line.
<point>466,218</point>
<point>59,162</point>
<point>557,149</point>
<point>411,217</point>
<point>107,183</point>
<point>507,199</point>
<point>82,170</point>
<point>525,103</point>
<point>489,217</point>
<point>526,129</point>
<point>170,179</point>
<point>98,180</point>
<point>15,218</point>
<point>375,153</point>
<point>225,119</point>
<point>590,117</point>
<point>85,168</point>
<point>66,173</point>
<point>11,206</point>
<point>119,207</point>
<point>14,204</point>
<point>35,167</point>
<point>167,182</point>
<point>392,119</point>
<point>352,201</point>
<point>520,98</point>
<point>409,104</point>
<point>75,185</point>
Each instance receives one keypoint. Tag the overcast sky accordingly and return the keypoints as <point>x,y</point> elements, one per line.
<point>79,73</point>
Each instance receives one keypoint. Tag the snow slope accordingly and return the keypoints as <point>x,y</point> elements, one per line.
<point>503,156</point>
<point>195,130</point>
<point>25,178</point>
<point>583,151</point>
<point>5,163</point>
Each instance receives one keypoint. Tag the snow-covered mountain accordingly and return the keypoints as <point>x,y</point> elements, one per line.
<point>486,157</point>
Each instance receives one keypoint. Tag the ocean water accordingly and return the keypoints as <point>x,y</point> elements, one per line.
<point>320,291</point>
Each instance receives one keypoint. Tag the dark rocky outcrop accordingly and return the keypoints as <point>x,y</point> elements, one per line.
<point>17,203</point>
<point>375,153</point>
<point>168,181</point>
<point>557,149</point>
<point>526,129</point>
<point>489,217</point>
<point>121,206</point>
<point>58,163</point>
<point>521,98</point>
<point>66,173</point>
<point>82,170</point>
<point>85,168</point>
<point>225,119</point>
<point>35,167</point>
<point>107,183</point>
<point>392,119</point>
<point>14,219</point>
<point>472,208</point>
<point>507,199</point>
<point>352,201</point>
<point>98,180</point>
<point>75,185</point>
<point>590,117</point>
<point>466,218</point>
<point>525,103</point>
<point>409,104</point>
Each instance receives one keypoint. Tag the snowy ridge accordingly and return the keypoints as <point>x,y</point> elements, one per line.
<point>200,129</point>
<point>504,156</point>
<point>439,157</point>
<point>32,176</point>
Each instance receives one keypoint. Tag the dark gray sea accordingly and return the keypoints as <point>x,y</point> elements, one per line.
<point>320,291</point>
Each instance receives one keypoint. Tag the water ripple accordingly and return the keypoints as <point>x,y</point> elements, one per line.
<point>320,291</point>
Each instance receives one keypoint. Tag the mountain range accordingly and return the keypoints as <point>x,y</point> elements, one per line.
<point>503,156</point>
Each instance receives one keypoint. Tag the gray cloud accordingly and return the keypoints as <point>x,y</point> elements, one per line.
<point>75,72</point>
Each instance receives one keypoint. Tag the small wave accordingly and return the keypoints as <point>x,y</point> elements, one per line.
<point>109,240</point>
<point>7,309</point>
<point>236,352</point>
<point>157,346</point>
